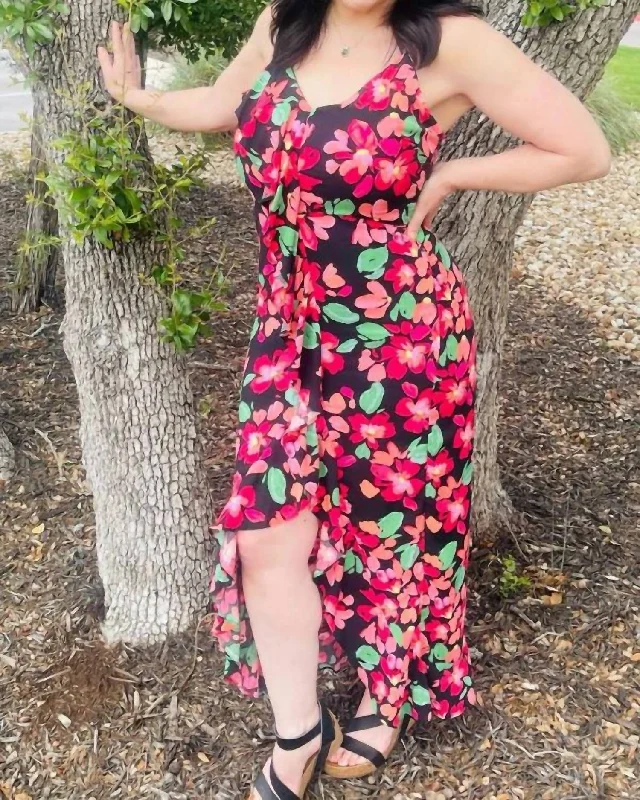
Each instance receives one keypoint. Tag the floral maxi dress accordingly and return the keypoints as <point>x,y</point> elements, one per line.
<point>357,398</point>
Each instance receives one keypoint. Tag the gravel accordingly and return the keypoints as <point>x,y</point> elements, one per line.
<point>579,243</point>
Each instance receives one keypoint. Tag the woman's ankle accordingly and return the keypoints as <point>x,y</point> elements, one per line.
<point>300,725</point>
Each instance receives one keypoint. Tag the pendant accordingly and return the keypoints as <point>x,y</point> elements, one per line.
<point>345,51</point>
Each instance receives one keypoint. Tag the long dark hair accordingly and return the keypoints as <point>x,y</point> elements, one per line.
<point>296,26</point>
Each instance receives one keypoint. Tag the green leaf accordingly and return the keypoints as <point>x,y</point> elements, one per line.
<point>420,695</point>
<point>430,490</point>
<point>371,399</point>
<point>288,238</point>
<point>391,523</point>
<point>407,305</point>
<point>167,10</point>
<point>362,451</point>
<point>281,112</point>
<point>310,336</point>
<point>347,346</point>
<point>372,259</point>
<point>276,484</point>
<point>409,556</point>
<point>344,207</point>
<point>368,656</point>
<point>372,331</point>
<point>447,554</point>
<point>435,440</point>
<point>340,313</point>
<point>396,631</point>
<point>467,473</point>
<point>443,254</point>
<point>244,411</point>
<point>458,578</point>
<point>439,652</point>
<point>451,347</point>
<point>418,451</point>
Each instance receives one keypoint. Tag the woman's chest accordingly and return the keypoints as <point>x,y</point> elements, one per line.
<point>377,147</point>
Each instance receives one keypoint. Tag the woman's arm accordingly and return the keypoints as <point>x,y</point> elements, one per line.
<point>205,108</point>
<point>563,143</point>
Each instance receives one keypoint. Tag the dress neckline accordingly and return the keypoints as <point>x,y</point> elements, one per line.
<point>397,57</point>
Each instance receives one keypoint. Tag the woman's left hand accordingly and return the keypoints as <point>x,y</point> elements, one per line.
<point>438,187</point>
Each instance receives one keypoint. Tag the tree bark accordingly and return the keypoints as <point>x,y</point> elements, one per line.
<point>35,281</point>
<point>7,459</point>
<point>479,227</point>
<point>138,431</point>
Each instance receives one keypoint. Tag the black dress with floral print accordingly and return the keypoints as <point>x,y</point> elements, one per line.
<point>358,392</point>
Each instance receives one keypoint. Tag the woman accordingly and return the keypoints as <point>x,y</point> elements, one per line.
<point>346,533</point>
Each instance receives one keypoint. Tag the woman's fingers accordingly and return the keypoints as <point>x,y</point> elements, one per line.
<point>129,45</point>
<point>422,214</point>
<point>104,57</point>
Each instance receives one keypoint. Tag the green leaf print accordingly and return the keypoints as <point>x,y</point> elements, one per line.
<point>248,378</point>
<point>467,473</point>
<point>458,578</point>
<point>288,239</point>
<point>311,435</point>
<point>438,652</point>
<point>409,556</point>
<point>372,331</point>
<point>372,259</point>
<point>418,451</point>
<point>292,396</point>
<point>347,346</point>
<point>362,451</point>
<point>352,563</point>
<point>407,305</point>
<point>443,254</point>
<point>310,336</point>
<point>420,695</point>
<point>371,399</point>
<point>254,327</point>
<point>430,490</point>
<point>340,313</point>
<point>412,127</point>
<point>435,440</point>
<point>244,411</point>
<point>281,112</point>
<point>451,348</point>
<point>396,631</point>
<point>447,554</point>
<point>368,656</point>
<point>344,207</point>
<point>391,523</point>
<point>276,484</point>
<point>277,202</point>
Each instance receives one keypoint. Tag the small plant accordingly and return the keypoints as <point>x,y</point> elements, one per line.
<point>510,582</point>
<point>31,21</point>
<point>103,188</point>
<point>546,12</point>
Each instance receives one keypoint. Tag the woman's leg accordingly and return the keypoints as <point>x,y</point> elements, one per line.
<point>285,612</point>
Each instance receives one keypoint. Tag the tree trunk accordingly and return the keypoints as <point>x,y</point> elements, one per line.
<point>138,427</point>
<point>36,267</point>
<point>479,227</point>
<point>7,459</point>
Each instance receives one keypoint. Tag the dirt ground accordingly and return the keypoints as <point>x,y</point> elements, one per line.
<point>556,664</point>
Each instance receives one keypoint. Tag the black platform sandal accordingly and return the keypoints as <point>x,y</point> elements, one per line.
<point>331,740</point>
<point>375,758</point>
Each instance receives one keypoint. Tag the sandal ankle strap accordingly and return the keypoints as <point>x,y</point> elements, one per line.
<point>300,741</point>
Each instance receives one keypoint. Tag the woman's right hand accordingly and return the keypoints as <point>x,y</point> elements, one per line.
<point>121,70</point>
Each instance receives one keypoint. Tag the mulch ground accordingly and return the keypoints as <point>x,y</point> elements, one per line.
<point>556,663</point>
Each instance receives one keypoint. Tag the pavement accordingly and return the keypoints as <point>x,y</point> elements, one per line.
<point>15,98</point>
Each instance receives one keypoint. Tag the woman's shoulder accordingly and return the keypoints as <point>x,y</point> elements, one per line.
<point>465,37</point>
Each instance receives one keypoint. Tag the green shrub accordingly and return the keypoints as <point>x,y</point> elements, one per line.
<point>620,123</point>
<point>197,26</point>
